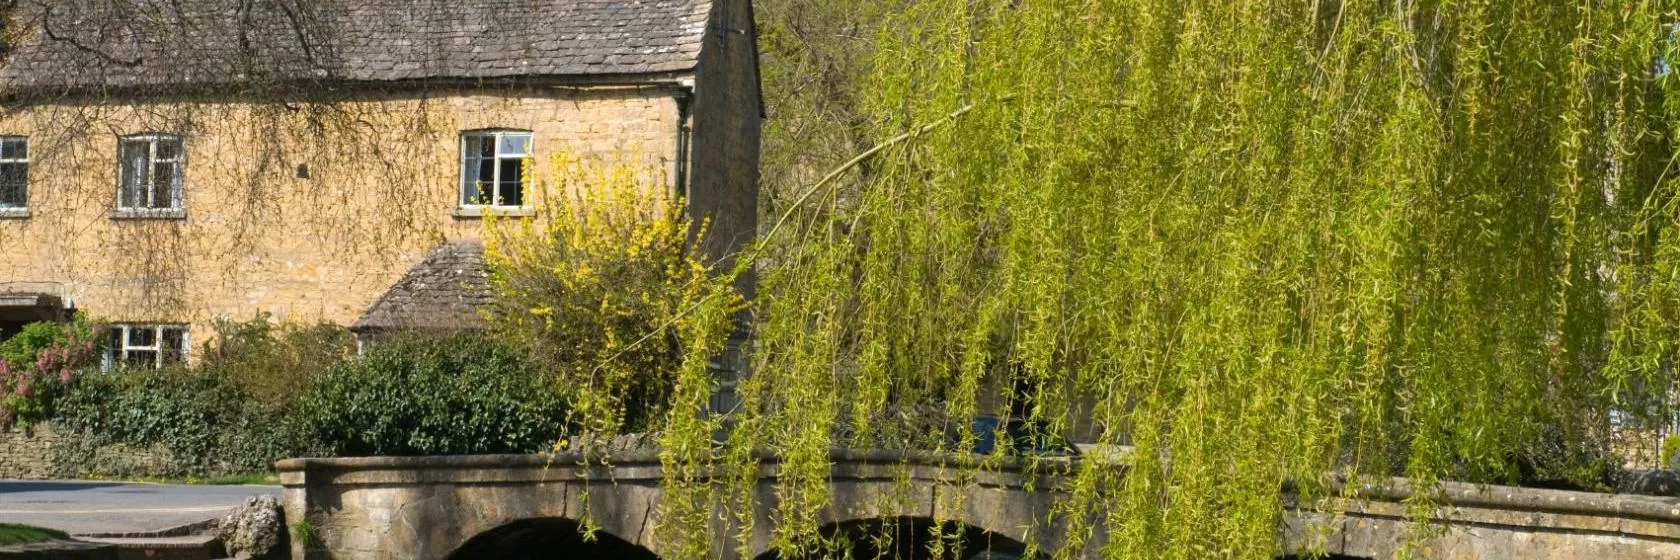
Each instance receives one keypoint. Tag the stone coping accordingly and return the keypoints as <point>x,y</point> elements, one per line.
<point>1463,494</point>
<point>187,530</point>
<point>645,467</point>
<point>883,464</point>
<point>643,458</point>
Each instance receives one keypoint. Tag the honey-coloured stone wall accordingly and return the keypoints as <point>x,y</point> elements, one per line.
<point>306,209</point>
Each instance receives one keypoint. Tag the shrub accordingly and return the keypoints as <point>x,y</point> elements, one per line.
<point>269,362</point>
<point>22,347</point>
<point>604,293</point>
<point>207,423</point>
<point>37,367</point>
<point>421,396</point>
<point>1670,447</point>
<point>226,415</point>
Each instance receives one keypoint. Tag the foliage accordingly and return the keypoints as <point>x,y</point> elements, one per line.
<point>21,349</point>
<point>229,414</point>
<point>1670,447</point>
<point>12,533</point>
<point>270,361</point>
<point>608,295</point>
<point>205,424</point>
<point>38,364</point>
<point>1267,240</point>
<point>602,292</point>
<point>816,56</point>
<point>414,395</point>
<point>304,531</point>
<point>240,479</point>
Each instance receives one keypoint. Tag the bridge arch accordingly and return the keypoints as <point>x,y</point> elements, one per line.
<point>910,538</point>
<point>543,538</point>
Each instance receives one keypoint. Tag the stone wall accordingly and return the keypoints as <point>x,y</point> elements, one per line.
<point>728,119</point>
<point>43,453</point>
<point>27,454</point>
<point>427,507</point>
<point>306,209</point>
<point>1475,522</point>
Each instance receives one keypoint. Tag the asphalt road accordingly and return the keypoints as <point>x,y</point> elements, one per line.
<point>91,508</point>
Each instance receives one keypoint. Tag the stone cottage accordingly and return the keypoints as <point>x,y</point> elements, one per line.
<point>164,164</point>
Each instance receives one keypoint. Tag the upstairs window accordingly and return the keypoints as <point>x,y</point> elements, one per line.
<point>147,346</point>
<point>493,164</point>
<point>14,173</point>
<point>150,174</point>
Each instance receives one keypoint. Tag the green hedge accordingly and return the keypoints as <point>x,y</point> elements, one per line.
<point>208,425</point>
<point>230,414</point>
<point>420,396</point>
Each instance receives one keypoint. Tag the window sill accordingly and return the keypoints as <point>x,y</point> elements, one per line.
<point>14,213</point>
<point>478,212</point>
<point>132,214</point>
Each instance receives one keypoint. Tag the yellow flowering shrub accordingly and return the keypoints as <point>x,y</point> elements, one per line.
<point>601,287</point>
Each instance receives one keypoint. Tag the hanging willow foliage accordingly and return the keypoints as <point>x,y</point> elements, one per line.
<point>1257,240</point>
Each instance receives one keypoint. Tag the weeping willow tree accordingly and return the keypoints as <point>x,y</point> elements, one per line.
<point>1258,241</point>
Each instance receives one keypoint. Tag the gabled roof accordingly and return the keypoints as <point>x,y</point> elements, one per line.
<point>70,44</point>
<point>442,293</point>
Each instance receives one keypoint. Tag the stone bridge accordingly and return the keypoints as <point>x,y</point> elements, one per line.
<point>523,506</point>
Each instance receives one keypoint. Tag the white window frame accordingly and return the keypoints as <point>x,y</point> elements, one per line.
<point>470,181</point>
<point>24,208</point>
<point>117,354</point>
<point>148,179</point>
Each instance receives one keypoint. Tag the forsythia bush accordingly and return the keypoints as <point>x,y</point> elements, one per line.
<point>601,290</point>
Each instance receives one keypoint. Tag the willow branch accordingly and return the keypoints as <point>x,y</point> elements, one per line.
<point>856,161</point>
<point>824,182</point>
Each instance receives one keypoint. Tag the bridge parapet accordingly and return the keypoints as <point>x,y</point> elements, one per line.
<point>430,507</point>
<point>1486,522</point>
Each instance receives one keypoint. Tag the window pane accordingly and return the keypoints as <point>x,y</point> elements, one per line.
<point>174,345</point>
<point>142,336</point>
<point>513,194</point>
<point>516,144</point>
<point>145,358</point>
<point>14,148</point>
<point>168,148</point>
<point>134,149</point>
<point>479,145</point>
<point>163,185</point>
<point>14,173</point>
<point>114,343</point>
<point>469,181</point>
<point>512,188</point>
<point>14,184</point>
<point>485,180</point>
<point>132,168</point>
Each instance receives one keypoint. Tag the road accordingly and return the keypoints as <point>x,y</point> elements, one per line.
<point>92,508</point>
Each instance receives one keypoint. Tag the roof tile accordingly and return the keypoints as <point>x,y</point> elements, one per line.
<point>442,293</point>
<point>122,43</point>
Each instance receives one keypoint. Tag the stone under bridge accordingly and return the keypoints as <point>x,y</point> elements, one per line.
<point>525,506</point>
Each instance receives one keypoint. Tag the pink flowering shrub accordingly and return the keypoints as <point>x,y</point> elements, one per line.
<point>38,365</point>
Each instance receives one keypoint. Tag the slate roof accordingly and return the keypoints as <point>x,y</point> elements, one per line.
<point>442,293</point>
<point>128,43</point>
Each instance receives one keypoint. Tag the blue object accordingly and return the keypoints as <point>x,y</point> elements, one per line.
<point>985,434</point>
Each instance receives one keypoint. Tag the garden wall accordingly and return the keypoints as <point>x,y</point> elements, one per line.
<point>42,452</point>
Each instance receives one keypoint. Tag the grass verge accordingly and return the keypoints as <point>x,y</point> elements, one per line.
<point>23,534</point>
<point>265,478</point>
